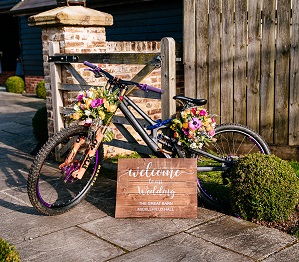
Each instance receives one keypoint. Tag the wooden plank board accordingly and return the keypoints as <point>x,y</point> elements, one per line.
<point>267,70</point>
<point>240,61</point>
<point>214,58</point>
<point>253,72</point>
<point>155,187</point>
<point>202,49</point>
<point>168,78</point>
<point>190,48</point>
<point>294,79</point>
<point>106,58</point>
<point>55,80</point>
<point>282,72</point>
<point>227,66</point>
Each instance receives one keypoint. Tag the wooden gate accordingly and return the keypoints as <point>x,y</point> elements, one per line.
<point>244,57</point>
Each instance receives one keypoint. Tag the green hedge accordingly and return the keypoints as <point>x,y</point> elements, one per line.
<point>8,252</point>
<point>40,125</point>
<point>264,187</point>
<point>15,84</point>
<point>41,90</point>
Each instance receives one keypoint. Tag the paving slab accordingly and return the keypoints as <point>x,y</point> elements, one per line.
<point>182,247</point>
<point>26,223</point>
<point>133,233</point>
<point>243,237</point>
<point>70,244</point>
<point>288,254</point>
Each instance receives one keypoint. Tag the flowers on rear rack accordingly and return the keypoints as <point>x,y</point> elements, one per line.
<point>97,104</point>
<point>194,127</point>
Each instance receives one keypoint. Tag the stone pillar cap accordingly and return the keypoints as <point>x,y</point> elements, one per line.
<point>71,15</point>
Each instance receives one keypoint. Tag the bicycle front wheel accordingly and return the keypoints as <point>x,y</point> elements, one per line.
<point>50,189</point>
<point>233,141</point>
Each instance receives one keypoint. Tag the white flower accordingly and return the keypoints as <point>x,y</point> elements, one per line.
<point>89,93</point>
<point>87,112</point>
<point>193,145</point>
<point>76,108</point>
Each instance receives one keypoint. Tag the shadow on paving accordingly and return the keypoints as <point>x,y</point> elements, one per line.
<point>14,171</point>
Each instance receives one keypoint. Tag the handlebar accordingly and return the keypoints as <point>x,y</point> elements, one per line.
<point>99,71</point>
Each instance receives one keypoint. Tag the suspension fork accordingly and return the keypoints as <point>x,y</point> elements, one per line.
<point>91,152</point>
<point>78,143</point>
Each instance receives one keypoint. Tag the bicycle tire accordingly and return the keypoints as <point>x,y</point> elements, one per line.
<point>48,189</point>
<point>233,141</point>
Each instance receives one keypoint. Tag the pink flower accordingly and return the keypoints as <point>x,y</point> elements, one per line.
<point>195,123</point>
<point>97,102</point>
<point>88,121</point>
<point>212,132</point>
<point>202,112</point>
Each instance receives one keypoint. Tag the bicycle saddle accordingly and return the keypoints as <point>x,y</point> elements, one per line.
<point>195,101</point>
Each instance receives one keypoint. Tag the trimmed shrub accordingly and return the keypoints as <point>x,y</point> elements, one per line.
<point>41,90</point>
<point>264,187</point>
<point>40,125</point>
<point>15,84</point>
<point>8,252</point>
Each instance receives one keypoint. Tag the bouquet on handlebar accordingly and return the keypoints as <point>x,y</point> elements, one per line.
<point>97,104</point>
<point>194,127</point>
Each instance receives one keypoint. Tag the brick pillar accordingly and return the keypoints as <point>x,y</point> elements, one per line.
<point>78,30</point>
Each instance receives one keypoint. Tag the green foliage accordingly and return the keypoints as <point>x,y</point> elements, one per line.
<point>264,187</point>
<point>40,125</point>
<point>295,166</point>
<point>41,90</point>
<point>8,252</point>
<point>15,84</point>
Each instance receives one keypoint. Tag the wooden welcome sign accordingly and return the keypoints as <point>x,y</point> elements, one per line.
<point>155,187</point>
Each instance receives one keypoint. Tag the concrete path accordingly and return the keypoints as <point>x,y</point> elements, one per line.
<point>90,232</point>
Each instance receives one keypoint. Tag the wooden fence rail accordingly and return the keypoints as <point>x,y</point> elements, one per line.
<point>244,57</point>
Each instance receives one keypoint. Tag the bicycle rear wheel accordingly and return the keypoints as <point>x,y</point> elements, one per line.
<point>233,141</point>
<point>51,189</point>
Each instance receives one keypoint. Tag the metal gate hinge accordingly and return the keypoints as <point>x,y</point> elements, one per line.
<point>63,58</point>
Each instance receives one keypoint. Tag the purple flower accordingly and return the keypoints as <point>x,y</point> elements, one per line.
<point>80,96</point>
<point>185,131</point>
<point>195,123</point>
<point>97,102</point>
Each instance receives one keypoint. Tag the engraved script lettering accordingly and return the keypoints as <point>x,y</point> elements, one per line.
<point>155,191</point>
<point>148,172</point>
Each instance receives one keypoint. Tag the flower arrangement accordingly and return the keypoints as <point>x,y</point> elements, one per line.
<point>95,103</point>
<point>194,127</point>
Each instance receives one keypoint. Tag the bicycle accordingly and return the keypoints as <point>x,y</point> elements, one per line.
<point>68,164</point>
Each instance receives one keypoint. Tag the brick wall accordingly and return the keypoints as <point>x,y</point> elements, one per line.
<point>31,82</point>
<point>5,75</point>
